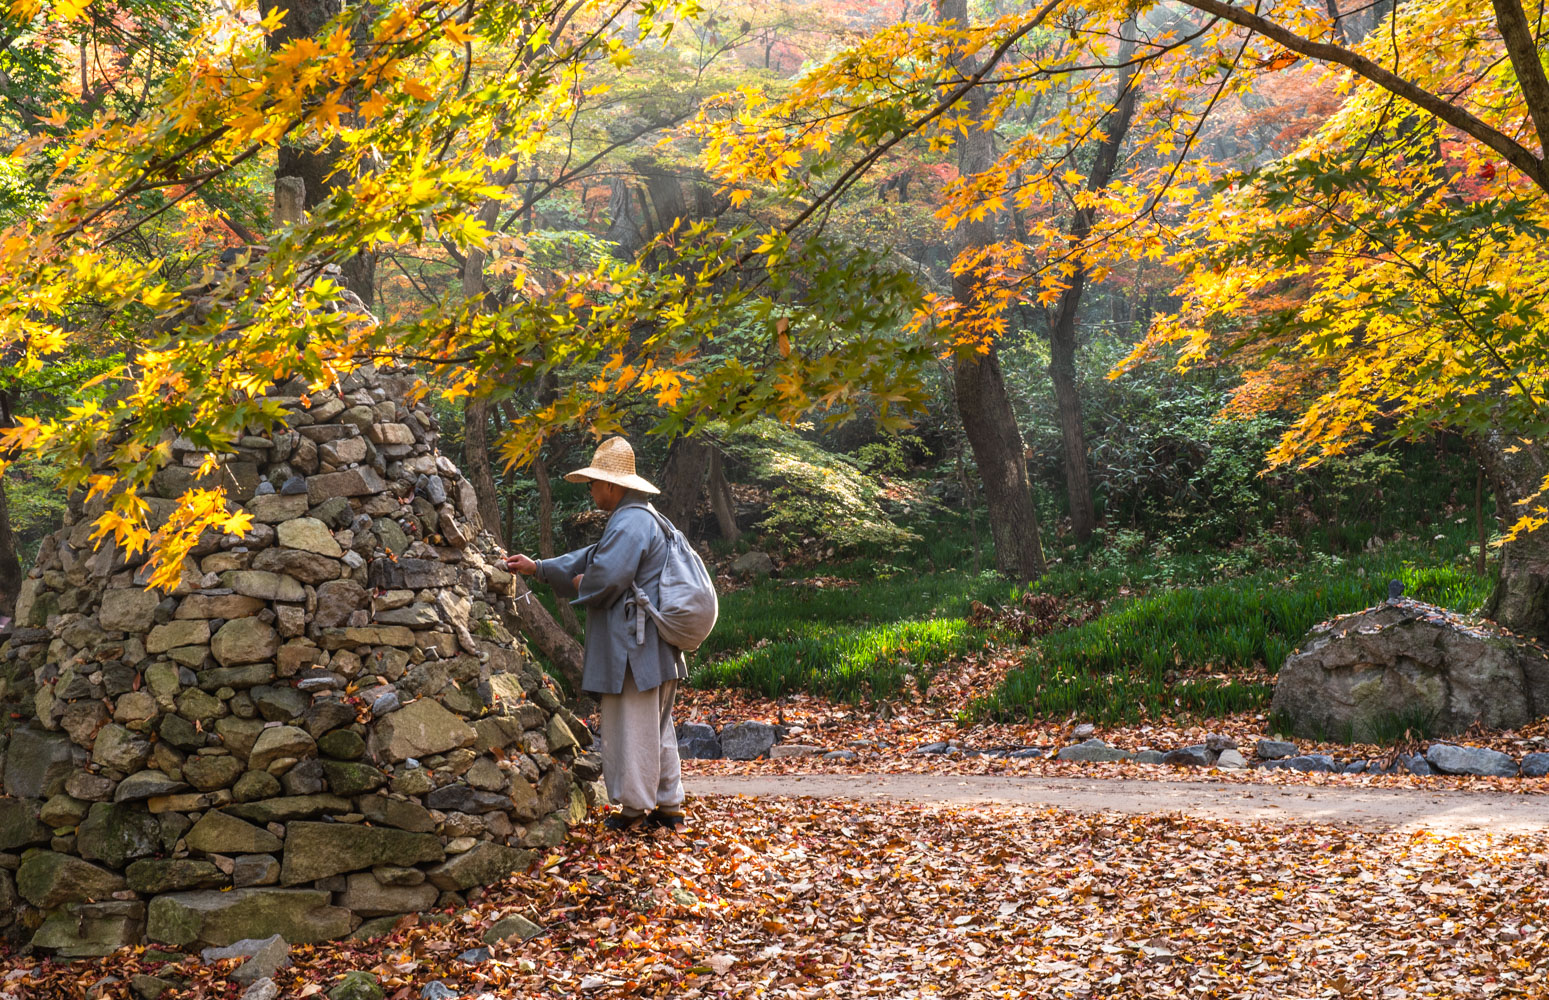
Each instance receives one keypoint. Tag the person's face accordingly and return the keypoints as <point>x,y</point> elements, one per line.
<point>606,495</point>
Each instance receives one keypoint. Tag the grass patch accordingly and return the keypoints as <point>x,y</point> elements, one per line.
<point>847,642</point>
<point>1208,651</point>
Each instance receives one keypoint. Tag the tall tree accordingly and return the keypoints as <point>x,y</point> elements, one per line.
<point>1062,329</point>
<point>983,404</point>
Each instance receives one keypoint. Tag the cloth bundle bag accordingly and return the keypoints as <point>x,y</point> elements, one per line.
<point>688,607</point>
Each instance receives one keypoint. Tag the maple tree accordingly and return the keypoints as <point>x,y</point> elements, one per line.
<point>1419,263</point>
<point>428,143</point>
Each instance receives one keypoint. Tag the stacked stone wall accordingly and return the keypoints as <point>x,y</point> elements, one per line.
<point>326,721</point>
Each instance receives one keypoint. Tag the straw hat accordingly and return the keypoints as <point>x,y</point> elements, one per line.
<point>614,462</point>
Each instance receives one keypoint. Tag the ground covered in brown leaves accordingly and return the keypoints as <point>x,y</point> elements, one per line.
<point>884,743</point>
<point>803,899</point>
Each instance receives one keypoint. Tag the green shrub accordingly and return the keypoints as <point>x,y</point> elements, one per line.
<point>818,497</point>
<point>1208,650</point>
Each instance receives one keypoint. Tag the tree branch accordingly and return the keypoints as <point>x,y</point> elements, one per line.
<point>1514,152</point>
<point>1523,49</point>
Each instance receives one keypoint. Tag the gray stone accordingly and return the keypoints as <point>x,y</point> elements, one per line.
<point>47,880</point>
<point>276,742</point>
<point>277,508</point>
<point>1148,757</point>
<point>210,773</point>
<point>312,536</point>
<point>370,898</point>
<point>1406,665</point>
<point>350,778</point>
<point>290,807</point>
<point>400,813</point>
<point>1216,742</point>
<point>1535,765</point>
<point>119,749</point>
<point>1416,764</point>
<point>116,834</point>
<point>243,641</point>
<point>21,820</point>
<point>512,928</point>
<point>841,756</point>
<point>420,729</point>
<point>300,916</point>
<point>145,785</point>
<point>264,989</point>
<point>90,787</point>
<point>265,957</point>
<point>699,749</point>
<point>1450,759</point>
<point>342,744</point>
<point>91,930</point>
<point>337,600</point>
<point>747,740</point>
<point>269,586</point>
<point>1274,749</point>
<point>227,606</point>
<point>752,564</point>
<point>349,483</point>
<point>128,609</point>
<point>36,762</point>
<point>485,864</point>
<point>177,633</point>
<point>318,850</point>
<point>218,833</point>
<point>255,869</point>
<point>279,704</point>
<point>1197,756</point>
<point>1093,750</point>
<point>1231,760</point>
<point>153,876</point>
<point>437,990</point>
<point>255,785</point>
<point>458,797</point>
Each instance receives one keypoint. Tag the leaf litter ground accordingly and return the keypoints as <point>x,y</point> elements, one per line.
<point>803,899</point>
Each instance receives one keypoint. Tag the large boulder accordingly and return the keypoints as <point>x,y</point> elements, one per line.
<point>1408,665</point>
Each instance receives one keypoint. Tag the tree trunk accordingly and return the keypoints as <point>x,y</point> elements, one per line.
<point>540,472</point>
<point>476,461</point>
<point>1062,335</point>
<point>1521,598</point>
<point>721,499</point>
<point>10,563</point>
<point>534,621</point>
<point>683,481</point>
<point>982,402</point>
<point>315,164</point>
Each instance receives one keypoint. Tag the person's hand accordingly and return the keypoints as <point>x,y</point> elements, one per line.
<point>578,581</point>
<point>519,563</point>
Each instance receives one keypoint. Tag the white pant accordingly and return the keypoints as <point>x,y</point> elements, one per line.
<point>640,748</point>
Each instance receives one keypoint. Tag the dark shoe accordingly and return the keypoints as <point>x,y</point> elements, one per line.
<point>623,824</point>
<point>676,822</point>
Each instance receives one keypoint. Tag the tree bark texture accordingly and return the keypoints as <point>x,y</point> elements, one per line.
<point>315,164</point>
<point>721,499</point>
<point>683,481</point>
<point>10,563</point>
<point>1062,332</point>
<point>982,402</point>
<point>1521,598</point>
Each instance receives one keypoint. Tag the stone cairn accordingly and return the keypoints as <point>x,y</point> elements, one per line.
<point>327,721</point>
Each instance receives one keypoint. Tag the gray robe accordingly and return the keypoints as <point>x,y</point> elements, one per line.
<point>632,549</point>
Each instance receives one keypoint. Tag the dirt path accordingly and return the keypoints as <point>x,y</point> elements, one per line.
<point>1440,811</point>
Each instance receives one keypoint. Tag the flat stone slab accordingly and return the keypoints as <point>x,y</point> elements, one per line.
<point>213,917</point>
